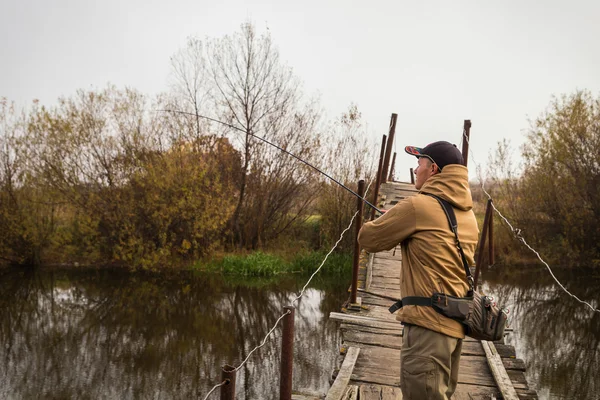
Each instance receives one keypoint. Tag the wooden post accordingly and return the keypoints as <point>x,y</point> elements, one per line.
<point>392,168</point>
<point>481,245</point>
<point>287,355</point>
<point>465,140</point>
<point>357,226</point>
<point>491,235</point>
<point>228,389</point>
<point>388,148</point>
<point>412,176</point>
<point>378,177</point>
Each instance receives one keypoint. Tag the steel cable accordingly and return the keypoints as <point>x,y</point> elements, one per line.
<point>517,232</point>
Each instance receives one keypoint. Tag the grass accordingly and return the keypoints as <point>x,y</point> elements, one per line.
<point>267,264</point>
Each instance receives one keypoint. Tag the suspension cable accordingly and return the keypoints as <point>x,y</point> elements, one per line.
<point>215,387</point>
<point>517,232</point>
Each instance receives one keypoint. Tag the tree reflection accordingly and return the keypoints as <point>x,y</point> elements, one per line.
<point>117,334</point>
<point>557,336</point>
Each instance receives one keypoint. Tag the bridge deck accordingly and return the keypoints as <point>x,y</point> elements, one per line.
<point>375,372</point>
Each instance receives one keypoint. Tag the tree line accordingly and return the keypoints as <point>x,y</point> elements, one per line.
<point>553,194</point>
<point>115,176</point>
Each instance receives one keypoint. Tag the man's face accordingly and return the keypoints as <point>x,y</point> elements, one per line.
<point>424,171</point>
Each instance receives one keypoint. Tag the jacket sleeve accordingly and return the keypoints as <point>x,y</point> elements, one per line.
<point>393,227</point>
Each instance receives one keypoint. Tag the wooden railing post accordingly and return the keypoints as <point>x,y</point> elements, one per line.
<point>491,235</point>
<point>465,140</point>
<point>392,168</point>
<point>412,176</point>
<point>357,226</point>
<point>481,245</point>
<point>228,389</point>
<point>287,355</point>
<point>388,148</point>
<point>378,177</point>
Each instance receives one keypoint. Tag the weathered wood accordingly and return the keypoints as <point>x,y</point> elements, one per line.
<point>390,342</point>
<point>498,371</point>
<point>302,396</point>
<point>338,389</point>
<point>377,301</point>
<point>351,393</point>
<point>380,294</point>
<point>365,321</point>
<point>368,329</point>
<point>379,392</point>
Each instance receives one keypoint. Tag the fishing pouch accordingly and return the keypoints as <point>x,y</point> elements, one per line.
<point>481,317</point>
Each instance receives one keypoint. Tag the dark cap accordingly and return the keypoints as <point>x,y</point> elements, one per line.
<point>442,153</point>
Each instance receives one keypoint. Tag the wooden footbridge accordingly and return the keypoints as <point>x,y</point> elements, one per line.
<point>372,338</point>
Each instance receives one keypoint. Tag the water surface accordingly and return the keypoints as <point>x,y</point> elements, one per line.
<point>114,334</point>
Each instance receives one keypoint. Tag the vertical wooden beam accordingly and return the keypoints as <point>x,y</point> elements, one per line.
<point>228,389</point>
<point>378,177</point>
<point>465,140</point>
<point>481,245</point>
<point>491,236</point>
<point>357,226</point>
<point>412,176</point>
<point>287,355</point>
<point>392,168</point>
<point>388,148</point>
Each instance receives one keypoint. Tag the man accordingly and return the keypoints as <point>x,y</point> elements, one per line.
<point>430,263</point>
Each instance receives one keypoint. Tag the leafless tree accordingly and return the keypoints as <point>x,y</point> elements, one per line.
<point>258,94</point>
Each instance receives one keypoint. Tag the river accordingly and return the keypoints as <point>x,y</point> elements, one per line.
<point>116,334</point>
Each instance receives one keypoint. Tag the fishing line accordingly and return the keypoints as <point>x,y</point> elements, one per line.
<point>280,148</point>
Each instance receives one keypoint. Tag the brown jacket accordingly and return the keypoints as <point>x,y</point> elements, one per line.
<point>430,261</point>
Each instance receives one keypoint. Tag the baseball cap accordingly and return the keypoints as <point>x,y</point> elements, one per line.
<point>442,153</point>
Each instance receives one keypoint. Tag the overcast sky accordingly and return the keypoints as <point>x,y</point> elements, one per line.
<point>434,63</point>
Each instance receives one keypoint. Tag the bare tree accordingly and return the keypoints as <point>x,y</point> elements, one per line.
<point>255,92</point>
<point>190,80</point>
<point>347,137</point>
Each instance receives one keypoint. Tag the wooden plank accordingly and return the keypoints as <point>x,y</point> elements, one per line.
<point>374,377</point>
<point>379,392</point>
<point>391,281</point>
<point>473,369</point>
<point>351,393</point>
<point>391,342</point>
<point>376,301</point>
<point>391,393</point>
<point>381,294</point>
<point>338,389</point>
<point>362,320</point>
<point>498,372</point>
<point>472,392</point>
<point>300,396</point>
<point>369,392</point>
<point>362,328</point>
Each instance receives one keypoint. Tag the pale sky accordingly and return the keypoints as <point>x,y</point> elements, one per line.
<point>434,63</point>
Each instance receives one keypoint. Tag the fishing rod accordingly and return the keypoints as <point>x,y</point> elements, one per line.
<point>279,148</point>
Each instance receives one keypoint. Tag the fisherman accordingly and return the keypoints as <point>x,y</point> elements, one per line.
<point>431,343</point>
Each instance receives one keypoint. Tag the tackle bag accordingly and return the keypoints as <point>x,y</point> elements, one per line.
<point>481,317</point>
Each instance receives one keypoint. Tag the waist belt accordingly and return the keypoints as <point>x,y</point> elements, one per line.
<point>411,301</point>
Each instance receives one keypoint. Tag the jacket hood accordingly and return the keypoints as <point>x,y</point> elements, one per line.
<point>452,184</point>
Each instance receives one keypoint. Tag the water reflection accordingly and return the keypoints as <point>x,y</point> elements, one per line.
<point>558,337</point>
<point>114,334</point>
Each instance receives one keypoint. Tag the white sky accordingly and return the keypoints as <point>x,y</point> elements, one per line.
<point>435,63</point>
